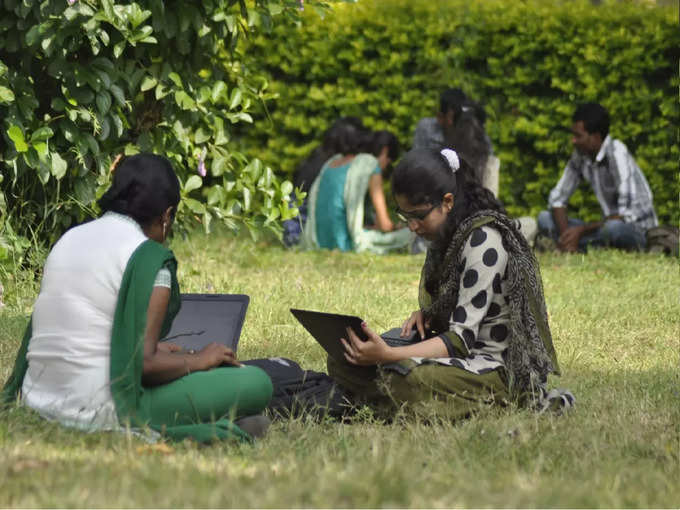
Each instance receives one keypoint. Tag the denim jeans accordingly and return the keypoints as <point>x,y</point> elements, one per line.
<point>613,233</point>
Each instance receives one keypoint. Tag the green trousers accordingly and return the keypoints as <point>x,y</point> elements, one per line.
<point>207,396</point>
<point>428,389</point>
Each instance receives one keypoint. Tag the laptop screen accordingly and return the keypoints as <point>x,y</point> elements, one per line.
<point>206,318</point>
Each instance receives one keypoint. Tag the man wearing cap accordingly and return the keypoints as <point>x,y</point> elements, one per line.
<point>617,181</point>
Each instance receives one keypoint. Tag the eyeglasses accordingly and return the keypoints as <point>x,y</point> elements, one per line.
<point>415,215</point>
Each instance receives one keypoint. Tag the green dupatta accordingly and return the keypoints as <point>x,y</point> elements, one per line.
<point>127,349</point>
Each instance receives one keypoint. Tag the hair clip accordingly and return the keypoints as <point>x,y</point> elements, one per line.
<point>452,158</point>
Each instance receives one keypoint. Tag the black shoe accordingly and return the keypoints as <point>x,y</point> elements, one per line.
<point>255,425</point>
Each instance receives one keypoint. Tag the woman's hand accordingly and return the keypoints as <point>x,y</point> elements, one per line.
<point>214,354</point>
<point>372,351</point>
<point>168,347</point>
<point>417,320</point>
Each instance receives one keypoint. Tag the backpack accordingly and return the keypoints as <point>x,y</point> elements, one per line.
<point>298,391</point>
<point>663,239</point>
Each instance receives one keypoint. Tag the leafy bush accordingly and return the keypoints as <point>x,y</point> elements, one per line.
<point>84,80</point>
<point>529,62</point>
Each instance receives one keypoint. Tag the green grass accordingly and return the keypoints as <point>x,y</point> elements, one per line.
<point>616,323</point>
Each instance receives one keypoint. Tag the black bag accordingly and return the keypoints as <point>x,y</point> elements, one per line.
<point>663,239</point>
<point>298,391</point>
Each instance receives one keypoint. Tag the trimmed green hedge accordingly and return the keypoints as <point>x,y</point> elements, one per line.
<point>529,62</point>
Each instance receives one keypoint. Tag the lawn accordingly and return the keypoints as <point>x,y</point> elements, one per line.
<point>615,320</point>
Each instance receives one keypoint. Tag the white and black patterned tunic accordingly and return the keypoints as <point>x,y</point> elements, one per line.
<point>481,317</point>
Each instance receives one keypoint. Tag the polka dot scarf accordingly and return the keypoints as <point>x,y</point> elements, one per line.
<point>530,356</point>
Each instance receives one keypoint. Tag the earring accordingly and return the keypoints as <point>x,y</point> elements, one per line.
<point>165,227</point>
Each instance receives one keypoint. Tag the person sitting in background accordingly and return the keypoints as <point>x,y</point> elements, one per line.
<point>309,170</point>
<point>460,125</point>
<point>92,357</point>
<point>619,185</point>
<point>482,328</point>
<point>336,204</point>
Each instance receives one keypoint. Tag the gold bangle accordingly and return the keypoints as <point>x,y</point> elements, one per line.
<point>187,370</point>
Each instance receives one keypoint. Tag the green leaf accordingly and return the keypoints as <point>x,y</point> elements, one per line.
<point>58,165</point>
<point>184,101</point>
<point>219,165</point>
<point>118,93</point>
<point>219,90</point>
<point>236,96</point>
<point>58,104</point>
<point>162,91</point>
<point>194,205</point>
<point>216,195</point>
<point>148,83</point>
<point>6,95</point>
<point>201,136</point>
<point>42,150</point>
<point>174,77</point>
<point>17,136</point>
<point>193,182</point>
<point>33,35</point>
<point>105,128</point>
<point>41,134</point>
<point>104,78</point>
<point>247,198</point>
<point>43,172</point>
<point>103,102</point>
<point>286,188</point>
<point>82,95</point>
<point>118,125</point>
<point>118,49</point>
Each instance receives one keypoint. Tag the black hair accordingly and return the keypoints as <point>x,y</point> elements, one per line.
<point>347,135</point>
<point>376,141</point>
<point>469,139</point>
<point>467,135</point>
<point>456,101</point>
<point>424,176</point>
<point>595,118</point>
<point>380,139</point>
<point>143,187</point>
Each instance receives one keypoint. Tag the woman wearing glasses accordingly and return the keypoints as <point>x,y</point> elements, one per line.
<point>482,333</point>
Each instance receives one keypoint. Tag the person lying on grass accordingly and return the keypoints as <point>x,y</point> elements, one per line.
<point>91,356</point>
<point>482,322</point>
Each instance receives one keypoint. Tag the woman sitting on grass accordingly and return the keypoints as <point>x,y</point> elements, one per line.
<point>482,322</point>
<point>336,203</point>
<point>91,356</point>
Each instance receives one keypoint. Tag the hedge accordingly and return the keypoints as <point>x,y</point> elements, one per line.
<point>529,62</point>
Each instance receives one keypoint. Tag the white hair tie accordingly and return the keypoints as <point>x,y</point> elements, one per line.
<point>452,158</point>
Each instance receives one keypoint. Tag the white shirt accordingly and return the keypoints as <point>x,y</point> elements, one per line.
<point>68,376</point>
<point>618,183</point>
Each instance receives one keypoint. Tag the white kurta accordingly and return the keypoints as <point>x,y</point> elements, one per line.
<point>68,376</point>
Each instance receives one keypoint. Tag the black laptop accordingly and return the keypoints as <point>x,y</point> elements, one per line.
<point>206,318</point>
<point>328,328</point>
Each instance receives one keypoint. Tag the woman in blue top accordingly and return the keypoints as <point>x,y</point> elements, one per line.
<point>337,210</point>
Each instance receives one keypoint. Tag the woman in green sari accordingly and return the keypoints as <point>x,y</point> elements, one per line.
<point>91,356</point>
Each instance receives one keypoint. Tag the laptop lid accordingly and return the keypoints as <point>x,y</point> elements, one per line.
<point>329,328</point>
<point>206,318</point>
